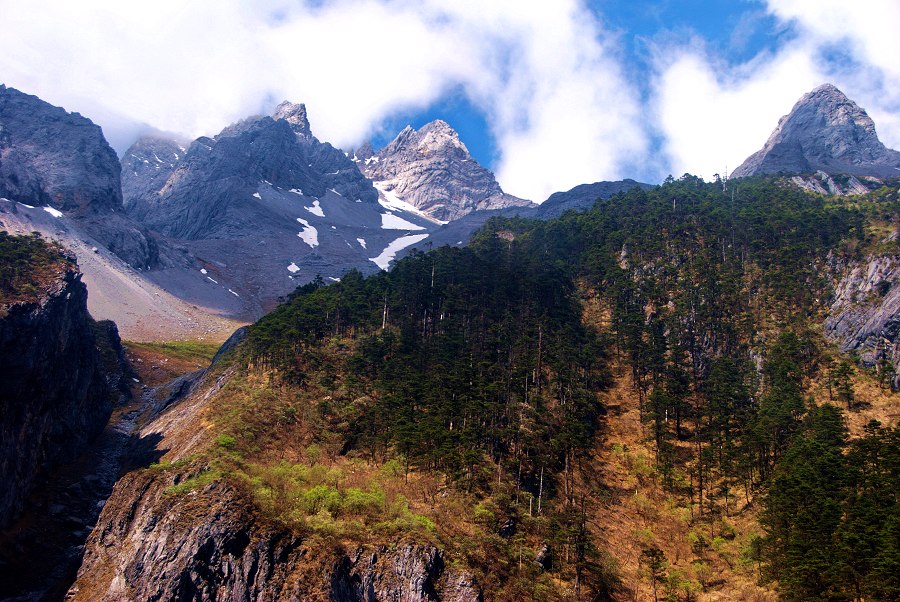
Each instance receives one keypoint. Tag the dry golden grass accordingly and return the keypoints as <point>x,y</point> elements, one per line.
<point>635,512</point>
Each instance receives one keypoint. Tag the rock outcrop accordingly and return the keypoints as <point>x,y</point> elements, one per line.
<point>61,375</point>
<point>825,131</point>
<point>432,170</point>
<point>838,185</point>
<point>52,158</point>
<point>864,317</point>
<point>209,544</point>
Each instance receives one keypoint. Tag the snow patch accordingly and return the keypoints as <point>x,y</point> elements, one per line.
<point>203,271</point>
<point>23,204</point>
<point>309,234</point>
<point>335,192</point>
<point>392,202</point>
<point>362,242</point>
<point>296,191</point>
<point>387,256</point>
<point>256,195</point>
<point>293,269</point>
<point>211,280</point>
<point>333,278</point>
<point>316,209</point>
<point>233,293</point>
<point>52,211</point>
<point>389,221</point>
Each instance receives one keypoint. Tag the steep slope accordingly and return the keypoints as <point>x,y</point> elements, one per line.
<point>61,371</point>
<point>148,164</point>
<point>432,170</point>
<point>263,206</point>
<point>61,160</point>
<point>210,192</point>
<point>825,131</point>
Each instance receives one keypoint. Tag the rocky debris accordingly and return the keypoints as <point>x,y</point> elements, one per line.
<point>56,159</point>
<point>825,131</point>
<point>865,314</point>
<point>432,170</point>
<point>61,374</point>
<point>210,544</point>
<point>212,192</point>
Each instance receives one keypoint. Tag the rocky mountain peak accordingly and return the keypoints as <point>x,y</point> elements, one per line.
<point>295,115</point>
<point>432,169</point>
<point>49,156</point>
<point>825,131</point>
<point>437,136</point>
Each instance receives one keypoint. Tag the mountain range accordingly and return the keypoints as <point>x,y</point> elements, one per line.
<point>204,232</point>
<point>626,388</point>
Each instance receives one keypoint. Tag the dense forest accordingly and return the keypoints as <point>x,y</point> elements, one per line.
<point>482,364</point>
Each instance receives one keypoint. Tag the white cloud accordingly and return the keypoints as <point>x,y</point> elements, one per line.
<point>713,118</point>
<point>711,114</point>
<point>544,74</point>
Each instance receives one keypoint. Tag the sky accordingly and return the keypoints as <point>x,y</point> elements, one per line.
<point>547,94</point>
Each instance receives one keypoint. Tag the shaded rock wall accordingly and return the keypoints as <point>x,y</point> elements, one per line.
<point>61,373</point>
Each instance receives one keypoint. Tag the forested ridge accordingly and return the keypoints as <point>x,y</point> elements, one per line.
<point>483,365</point>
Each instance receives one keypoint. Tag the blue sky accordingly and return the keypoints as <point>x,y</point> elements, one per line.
<point>736,31</point>
<point>547,94</point>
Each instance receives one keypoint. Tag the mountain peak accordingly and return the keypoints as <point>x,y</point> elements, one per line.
<point>825,131</point>
<point>438,134</point>
<point>295,115</point>
<point>432,170</point>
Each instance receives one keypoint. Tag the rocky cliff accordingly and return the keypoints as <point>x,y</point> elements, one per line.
<point>151,544</point>
<point>166,533</point>
<point>60,160</point>
<point>825,131</point>
<point>432,170</point>
<point>864,317</point>
<point>61,374</point>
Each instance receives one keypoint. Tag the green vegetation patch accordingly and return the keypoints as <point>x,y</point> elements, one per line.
<point>26,264</point>
<point>200,352</point>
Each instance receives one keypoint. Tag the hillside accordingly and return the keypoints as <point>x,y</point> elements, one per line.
<point>594,407</point>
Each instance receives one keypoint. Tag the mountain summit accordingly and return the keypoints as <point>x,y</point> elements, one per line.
<point>432,170</point>
<point>824,131</point>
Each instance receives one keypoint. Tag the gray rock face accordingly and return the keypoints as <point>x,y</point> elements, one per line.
<point>211,545</point>
<point>432,170</point>
<point>865,313</point>
<point>824,131</point>
<point>209,194</point>
<point>53,158</point>
<point>61,372</point>
<point>148,164</point>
